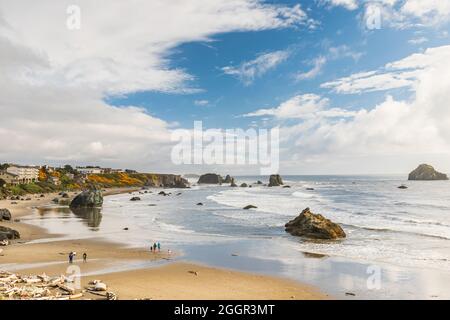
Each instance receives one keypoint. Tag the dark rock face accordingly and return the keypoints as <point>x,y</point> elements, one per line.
<point>8,234</point>
<point>426,172</point>
<point>227,179</point>
<point>314,226</point>
<point>210,178</point>
<point>250,207</point>
<point>275,180</point>
<point>233,183</point>
<point>88,199</point>
<point>5,214</point>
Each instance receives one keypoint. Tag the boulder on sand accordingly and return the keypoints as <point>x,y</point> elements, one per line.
<point>426,172</point>
<point>314,226</point>
<point>275,180</point>
<point>5,214</point>
<point>210,178</point>
<point>8,234</point>
<point>88,199</point>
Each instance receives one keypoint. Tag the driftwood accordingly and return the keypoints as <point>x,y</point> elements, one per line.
<point>41,287</point>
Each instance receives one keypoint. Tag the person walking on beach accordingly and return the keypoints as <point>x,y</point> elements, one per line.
<point>85,257</point>
<point>71,257</point>
<point>154,247</point>
<point>159,247</point>
<point>151,248</point>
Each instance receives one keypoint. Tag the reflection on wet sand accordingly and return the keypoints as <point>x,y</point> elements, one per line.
<point>91,216</point>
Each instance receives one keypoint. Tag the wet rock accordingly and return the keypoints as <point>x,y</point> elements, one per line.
<point>200,204</point>
<point>227,179</point>
<point>88,199</point>
<point>233,183</point>
<point>275,180</point>
<point>250,207</point>
<point>135,199</point>
<point>403,187</point>
<point>210,178</point>
<point>163,193</point>
<point>244,185</point>
<point>426,172</point>
<point>314,226</point>
<point>8,234</point>
<point>310,189</point>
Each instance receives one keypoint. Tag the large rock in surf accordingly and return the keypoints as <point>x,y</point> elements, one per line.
<point>275,180</point>
<point>8,234</point>
<point>227,179</point>
<point>210,178</point>
<point>88,199</point>
<point>426,172</point>
<point>5,214</point>
<point>314,226</point>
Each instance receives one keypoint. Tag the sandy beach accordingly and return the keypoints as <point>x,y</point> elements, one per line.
<point>154,276</point>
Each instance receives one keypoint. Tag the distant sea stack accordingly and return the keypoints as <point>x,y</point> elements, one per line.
<point>314,226</point>
<point>275,180</point>
<point>426,172</point>
<point>210,178</point>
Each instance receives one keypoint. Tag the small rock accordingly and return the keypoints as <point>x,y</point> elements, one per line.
<point>250,207</point>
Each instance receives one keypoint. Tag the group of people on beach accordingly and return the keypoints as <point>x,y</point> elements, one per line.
<point>72,255</point>
<point>156,245</point>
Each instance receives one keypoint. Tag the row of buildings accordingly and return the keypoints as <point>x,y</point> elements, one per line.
<point>16,174</point>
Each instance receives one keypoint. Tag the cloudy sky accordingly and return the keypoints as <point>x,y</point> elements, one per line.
<point>355,86</point>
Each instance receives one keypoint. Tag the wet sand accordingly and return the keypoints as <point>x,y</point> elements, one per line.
<point>147,276</point>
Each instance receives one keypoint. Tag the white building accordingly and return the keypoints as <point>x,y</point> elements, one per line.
<point>24,174</point>
<point>90,170</point>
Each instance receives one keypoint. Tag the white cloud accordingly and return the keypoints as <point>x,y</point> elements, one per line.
<point>391,135</point>
<point>307,106</point>
<point>248,71</point>
<point>403,73</point>
<point>334,53</point>
<point>54,80</point>
<point>348,4</point>
<point>419,40</point>
<point>201,103</point>
<point>318,64</point>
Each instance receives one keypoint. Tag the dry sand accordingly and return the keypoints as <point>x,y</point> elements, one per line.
<point>174,280</point>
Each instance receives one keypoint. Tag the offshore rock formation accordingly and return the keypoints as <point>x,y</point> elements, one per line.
<point>227,179</point>
<point>275,180</point>
<point>5,214</point>
<point>210,178</point>
<point>426,172</point>
<point>314,226</point>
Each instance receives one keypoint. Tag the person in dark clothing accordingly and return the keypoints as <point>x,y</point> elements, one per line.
<point>71,257</point>
<point>154,247</point>
<point>85,257</point>
<point>159,247</point>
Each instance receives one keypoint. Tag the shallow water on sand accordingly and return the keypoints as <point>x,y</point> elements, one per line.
<point>401,235</point>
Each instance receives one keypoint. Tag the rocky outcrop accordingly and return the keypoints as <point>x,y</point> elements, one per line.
<point>244,185</point>
<point>426,172</point>
<point>250,207</point>
<point>227,179</point>
<point>275,180</point>
<point>5,214</point>
<point>233,183</point>
<point>135,199</point>
<point>314,226</point>
<point>8,234</point>
<point>88,199</point>
<point>210,178</point>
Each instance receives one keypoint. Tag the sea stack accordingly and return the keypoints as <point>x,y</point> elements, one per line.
<point>275,180</point>
<point>88,199</point>
<point>426,172</point>
<point>314,226</point>
<point>210,178</point>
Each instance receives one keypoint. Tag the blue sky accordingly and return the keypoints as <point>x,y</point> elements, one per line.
<point>227,97</point>
<point>110,87</point>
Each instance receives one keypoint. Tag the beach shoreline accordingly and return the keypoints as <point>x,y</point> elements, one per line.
<point>151,275</point>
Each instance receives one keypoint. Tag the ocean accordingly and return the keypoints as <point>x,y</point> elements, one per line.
<point>397,245</point>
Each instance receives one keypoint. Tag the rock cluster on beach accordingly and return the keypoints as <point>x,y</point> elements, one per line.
<point>314,226</point>
<point>426,172</point>
<point>8,234</point>
<point>88,199</point>
<point>275,180</point>
<point>5,214</point>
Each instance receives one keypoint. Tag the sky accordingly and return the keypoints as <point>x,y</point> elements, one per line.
<point>354,86</point>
